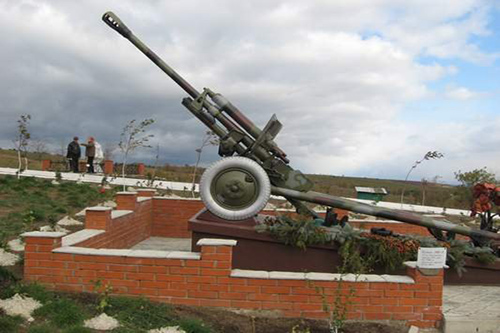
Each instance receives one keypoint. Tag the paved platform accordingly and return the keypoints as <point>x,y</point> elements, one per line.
<point>164,244</point>
<point>471,309</point>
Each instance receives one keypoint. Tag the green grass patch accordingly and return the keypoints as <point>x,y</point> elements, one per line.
<point>33,290</point>
<point>140,314</point>
<point>28,202</point>
<point>10,324</point>
<point>192,325</point>
<point>62,313</point>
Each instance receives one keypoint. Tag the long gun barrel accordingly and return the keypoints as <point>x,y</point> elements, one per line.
<point>358,207</point>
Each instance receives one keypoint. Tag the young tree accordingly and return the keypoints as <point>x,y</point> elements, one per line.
<point>21,142</point>
<point>428,156</point>
<point>210,139</point>
<point>471,178</point>
<point>132,137</point>
<point>468,180</point>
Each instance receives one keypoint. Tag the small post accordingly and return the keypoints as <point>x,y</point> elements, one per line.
<point>98,218</point>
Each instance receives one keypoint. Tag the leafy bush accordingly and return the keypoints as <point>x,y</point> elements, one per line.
<point>10,324</point>
<point>140,313</point>
<point>300,233</point>
<point>191,325</point>
<point>62,312</point>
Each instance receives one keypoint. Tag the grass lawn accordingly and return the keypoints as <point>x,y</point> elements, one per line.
<point>27,203</point>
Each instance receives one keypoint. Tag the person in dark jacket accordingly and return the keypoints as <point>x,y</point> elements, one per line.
<point>74,154</point>
<point>90,153</point>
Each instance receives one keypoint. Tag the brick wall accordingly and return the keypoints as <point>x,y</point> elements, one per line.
<point>207,279</point>
<point>124,227</point>
<point>101,251</point>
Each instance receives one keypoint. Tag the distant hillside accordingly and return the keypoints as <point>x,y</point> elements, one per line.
<point>440,195</point>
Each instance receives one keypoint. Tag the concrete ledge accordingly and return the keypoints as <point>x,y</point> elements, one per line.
<point>141,199</point>
<point>98,209</point>
<point>216,242</point>
<point>176,198</point>
<point>129,253</point>
<point>126,193</point>
<point>80,236</point>
<point>243,273</point>
<point>119,213</point>
<point>148,254</point>
<point>398,279</point>
<point>184,255</point>
<point>287,275</point>
<point>89,251</point>
<point>46,234</point>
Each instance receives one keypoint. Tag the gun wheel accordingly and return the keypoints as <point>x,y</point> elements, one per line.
<point>235,188</point>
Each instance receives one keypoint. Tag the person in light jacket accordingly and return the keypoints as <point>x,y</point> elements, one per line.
<point>90,153</point>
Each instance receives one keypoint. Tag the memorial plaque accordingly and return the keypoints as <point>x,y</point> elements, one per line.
<point>431,257</point>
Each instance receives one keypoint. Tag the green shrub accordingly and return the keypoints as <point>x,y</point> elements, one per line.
<point>191,325</point>
<point>140,313</point>
<point>77,329</point>
<point>62,313</point>
<point>33,290</point>
<point>10,324</point>
<point>43,328</point>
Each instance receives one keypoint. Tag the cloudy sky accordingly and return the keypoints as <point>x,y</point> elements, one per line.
<point>362,87</point>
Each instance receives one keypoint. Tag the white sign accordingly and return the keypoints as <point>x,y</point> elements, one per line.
<point>431,257</point>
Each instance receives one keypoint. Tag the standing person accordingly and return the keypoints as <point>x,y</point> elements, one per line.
<point>74,154</point>
<point>90,153</point>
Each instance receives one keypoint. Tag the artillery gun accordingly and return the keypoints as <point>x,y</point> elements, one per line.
<point>238,187</point>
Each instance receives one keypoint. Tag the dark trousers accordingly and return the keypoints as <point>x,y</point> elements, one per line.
<point>90,162</point>
<point>73,163</point>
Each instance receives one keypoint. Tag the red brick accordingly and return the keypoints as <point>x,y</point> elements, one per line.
<point>294,298</point>
<point>399,309</point>
<point>154,284</point>
<point>261,282</point>
<point>185,270</point>
<point>383,301</point>
<point>399,293</point>
<point>377,316</point>
<point>233,296</point>
<point>277,305</point>
<point>308,307</point>
<point>123,268</point>
<point>429,294</point>
<point>433,316</point>
<point>172,292</point>
<point>406,316</point>
<point>215,272</point>
<point>232,281</point>
<point>184,286</point>
<point>215,303</point>
<point>214,287</point>
<point>263,297</point>
<point>202,279</point>
<point>202,294</point>
<point>275,290</point>
<point>166,277</point>
<point>413,301</point>
<point>140,276</point>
